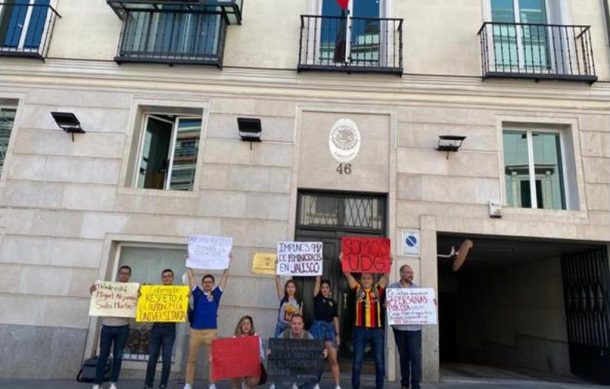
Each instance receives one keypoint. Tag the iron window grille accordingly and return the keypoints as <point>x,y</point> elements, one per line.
<point>174,32</point>
<point>351,44</point>
<point>537,51</point>
<point>26,29</point>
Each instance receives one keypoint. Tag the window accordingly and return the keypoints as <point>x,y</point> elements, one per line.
<point>146,265</point>
<point>534,169</point>
<point>356,38</point>
<point>169,34</point>
<point>7,117</point>
<point>23,23</point>
<point>521,45</point>
<point>168,152</point>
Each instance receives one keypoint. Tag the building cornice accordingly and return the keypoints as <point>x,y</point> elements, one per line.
<point>284,83</point>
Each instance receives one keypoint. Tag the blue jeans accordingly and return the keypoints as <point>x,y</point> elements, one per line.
<point>115,337</point>
<point>160,341</point>
<point>409,348</point>
<point>376,338</point>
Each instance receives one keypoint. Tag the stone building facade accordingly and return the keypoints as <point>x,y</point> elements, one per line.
<point>530,93</point>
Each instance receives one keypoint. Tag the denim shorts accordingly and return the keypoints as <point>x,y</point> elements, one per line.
<point>324,330</point>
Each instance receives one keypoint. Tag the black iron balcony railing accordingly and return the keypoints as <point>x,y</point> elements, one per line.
<point>537,51</point>
<point>350,44</point>
<point>175,32</point>
<point>231,10</point>
<point>26,29</point>
<point>173,37</point>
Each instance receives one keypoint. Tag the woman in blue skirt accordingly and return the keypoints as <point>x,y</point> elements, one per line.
<point>326,324</point>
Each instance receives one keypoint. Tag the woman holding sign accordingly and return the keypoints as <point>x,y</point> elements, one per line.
<point>290,304</point>
<point>326,324</point>
<point>245,327</point>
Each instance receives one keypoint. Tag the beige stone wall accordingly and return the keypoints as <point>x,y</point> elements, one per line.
<point>439,38</point>
<point>64,203</point>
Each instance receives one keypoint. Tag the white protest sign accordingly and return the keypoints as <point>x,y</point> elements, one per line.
<point>116,299</point>
<point>411,306</point>
<point>209,252</point>
<point>299,259</point>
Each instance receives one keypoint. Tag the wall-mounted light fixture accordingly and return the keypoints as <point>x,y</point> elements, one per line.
<point>250,130</point>
<point>68,122</point>
<point>450,143</point>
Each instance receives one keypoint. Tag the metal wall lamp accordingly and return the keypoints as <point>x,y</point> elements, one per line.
<point>68,122</point>
<point>250,130</point>
<point>450,143</point>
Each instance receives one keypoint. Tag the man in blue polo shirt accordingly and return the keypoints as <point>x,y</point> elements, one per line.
<point>204,325</point>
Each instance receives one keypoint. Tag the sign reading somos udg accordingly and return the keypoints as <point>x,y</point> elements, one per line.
<point>299,259</point>
<point>116,299</point>
<point>410,306</point>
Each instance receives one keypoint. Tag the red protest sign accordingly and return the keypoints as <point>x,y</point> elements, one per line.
<point>365,255</point>
<point>236,357</point>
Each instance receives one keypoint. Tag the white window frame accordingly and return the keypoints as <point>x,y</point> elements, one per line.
<point>315,8</point>
<point>172,146</point>
<point>180,344</point>
<point>550,8</point>
<point>26,25</point>
<point>532,169</point>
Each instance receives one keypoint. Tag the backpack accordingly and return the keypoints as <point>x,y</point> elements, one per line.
<point>89,368</point>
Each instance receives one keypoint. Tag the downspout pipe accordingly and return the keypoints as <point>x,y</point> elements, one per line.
<point>607,17</point>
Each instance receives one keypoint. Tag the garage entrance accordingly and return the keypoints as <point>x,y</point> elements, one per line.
<point>517,304</point>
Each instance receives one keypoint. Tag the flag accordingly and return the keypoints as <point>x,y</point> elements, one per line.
<point>343,3</point>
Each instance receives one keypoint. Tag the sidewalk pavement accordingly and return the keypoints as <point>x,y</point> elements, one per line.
<point>464,383</point>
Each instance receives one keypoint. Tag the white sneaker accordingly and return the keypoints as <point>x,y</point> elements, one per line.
<point>337,386</point>
<point>112,386</point>
<point>96,386</point>
<point>294,386</point>
<point>272,386</point>
<point>317,386</point>
<point>212,386</point>
<point>187,386</point>
<point>244,385</point>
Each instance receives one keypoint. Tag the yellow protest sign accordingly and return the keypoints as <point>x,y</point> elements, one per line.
<point>162,303</point>
<point>264,263</point>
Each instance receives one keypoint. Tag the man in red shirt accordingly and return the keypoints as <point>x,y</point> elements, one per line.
<point>368,326</point>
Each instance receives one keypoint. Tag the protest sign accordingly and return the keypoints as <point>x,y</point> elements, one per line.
<point>162,303</point>
<point>299,259</point>
<point>295,360</point>
<point>365,255</point>
<point>410,306</point>
<point>264,263</point>
<point>236,357</point>
<point>209,252</point>
<point>116,299</point>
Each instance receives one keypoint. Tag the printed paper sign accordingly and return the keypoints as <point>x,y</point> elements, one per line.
<point>365,255</point>
<point>115,299</point>
<point>410,243</point>
<point>236,357</point>
<point>264,263</point>
<point>299,258</point>
<point>163,303</point>
<point>410,306</point>
<point>295,360</point>
<point>209,252</point>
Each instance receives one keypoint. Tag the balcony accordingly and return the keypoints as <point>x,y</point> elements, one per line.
<point>350,44</point>
<point>26,29</point>
<point>537,51</point>
<point>174,32</point>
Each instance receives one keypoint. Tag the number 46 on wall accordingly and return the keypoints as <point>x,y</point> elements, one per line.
<point>344,168</point>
